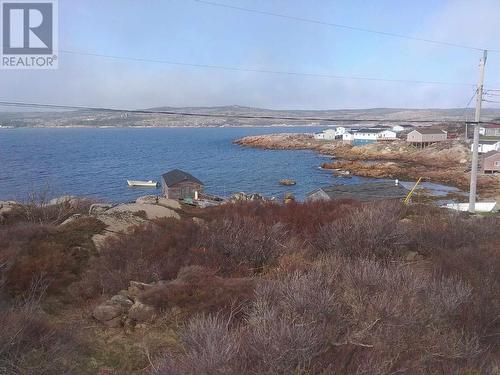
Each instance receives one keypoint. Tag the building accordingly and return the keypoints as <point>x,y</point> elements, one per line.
<point>402,128</point>
<point>426,136</point>
<point>386,135</point>
<point>486,146</point>
<point>362,192</point>
<point>490,130</point>
<point>348,137</point>
<point>371,135</point>
<point>178,184</point>
<point>330,134</point>
<point>490,162</point>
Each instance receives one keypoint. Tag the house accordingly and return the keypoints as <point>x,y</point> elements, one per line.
<point>402,128</point>
<point>371,135</point>
<point>363,192</point>
<point>386,135</point>
<point>348,137</point>
<point>490,130</point>
<point>486,146</point>
<point>490,162</point>
<point>423,137</point>
<point>178,184</point>
<point>330,134</point>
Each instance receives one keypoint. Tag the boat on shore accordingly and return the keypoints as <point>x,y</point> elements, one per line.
<point>136,183</point>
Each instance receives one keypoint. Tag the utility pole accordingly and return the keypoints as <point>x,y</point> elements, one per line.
<point>475,147</point>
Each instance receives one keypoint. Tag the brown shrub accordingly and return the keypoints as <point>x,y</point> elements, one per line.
<point>31,344</point>
<point>37,210</point>
<point>57,253</point>
<point>198,290</point>
<point>370,231</point>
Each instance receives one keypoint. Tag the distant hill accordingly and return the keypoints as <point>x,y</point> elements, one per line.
<point>123,119</point>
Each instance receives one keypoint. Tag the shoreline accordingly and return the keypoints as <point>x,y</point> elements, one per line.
<point>444,163</point>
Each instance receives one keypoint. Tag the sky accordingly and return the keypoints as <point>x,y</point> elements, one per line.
<point>192,32</point>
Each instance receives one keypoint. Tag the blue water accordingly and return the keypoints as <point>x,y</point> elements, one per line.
<point>97,162</point>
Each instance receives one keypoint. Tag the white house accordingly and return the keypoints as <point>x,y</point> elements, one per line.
<point>487,146</point>
<point>330,134</point>
<point>386,135</point>
<point>370,135</point>
<point>347,136</point>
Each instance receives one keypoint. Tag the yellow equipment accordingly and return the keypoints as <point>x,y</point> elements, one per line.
<point>407,199</point>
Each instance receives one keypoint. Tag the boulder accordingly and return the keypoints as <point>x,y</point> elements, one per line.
<point>152,211</point>
<point>108,311</point>
<point>288,182</point>
<point>97,208</point>
<point>122,301</point>
<point>141,313</point>
<point>71,219</point>
<point>160,201</point>
<point>115,223</point>
<point>6,206</point>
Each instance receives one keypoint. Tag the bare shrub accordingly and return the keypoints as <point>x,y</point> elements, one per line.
<point>246,240</point>
<point>372,230</point>
<point>38,209</point>
<point>60,253</point>
<point>212,348</point>
<point>454,230</point>
<point>31,344</point>
<point>198,290</point>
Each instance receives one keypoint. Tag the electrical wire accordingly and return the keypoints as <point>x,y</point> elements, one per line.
<point>229,116</point>
<point>267,71</point>
<point>344,26</point>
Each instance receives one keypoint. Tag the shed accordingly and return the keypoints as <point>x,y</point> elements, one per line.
<point>490,130</point>
<point>486,146</point>
<point>490,162</point>
<point>363,192</point>
<point>178,184</point>
<point>425,136</point>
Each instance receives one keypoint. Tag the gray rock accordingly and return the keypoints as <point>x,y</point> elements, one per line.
<point>141,313</point>
<point>99,207</point>
<point>122,300</point>
<point>107,311</point>
<point>71,219</point>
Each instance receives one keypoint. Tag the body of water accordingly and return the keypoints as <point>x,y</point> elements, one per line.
<point>97,162</point>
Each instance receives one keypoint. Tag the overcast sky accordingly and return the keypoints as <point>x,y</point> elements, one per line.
<point>196,33</point>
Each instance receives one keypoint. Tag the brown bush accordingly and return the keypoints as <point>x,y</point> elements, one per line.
<point>32,344</point>
<point>370,231</point>
<point>57,253</point>
<point>36,209</point>
<point>198,290</point>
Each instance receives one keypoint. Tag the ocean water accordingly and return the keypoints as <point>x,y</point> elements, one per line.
<point>97,162</point>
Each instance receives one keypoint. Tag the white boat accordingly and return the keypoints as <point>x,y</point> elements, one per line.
<point>149,183</point>
<point>479,206</point>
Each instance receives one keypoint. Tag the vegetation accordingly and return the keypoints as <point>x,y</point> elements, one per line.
<point>258,288</point>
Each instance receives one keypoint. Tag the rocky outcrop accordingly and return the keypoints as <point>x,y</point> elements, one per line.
<point>444,162</point>
<point>151,211</point>
<point>125,308</point>
<point>287,182</point>
<point>243,197</point>
<point>98,208</point>
<point>161,201</point>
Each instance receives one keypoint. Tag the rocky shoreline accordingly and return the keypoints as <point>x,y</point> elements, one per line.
<point>445,163</point>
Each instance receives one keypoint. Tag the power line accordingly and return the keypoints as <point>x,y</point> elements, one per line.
<point>343,26</point>
<point>213,115</point>
<point>267,71</point>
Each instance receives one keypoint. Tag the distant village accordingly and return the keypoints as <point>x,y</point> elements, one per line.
<point>489,143</point>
